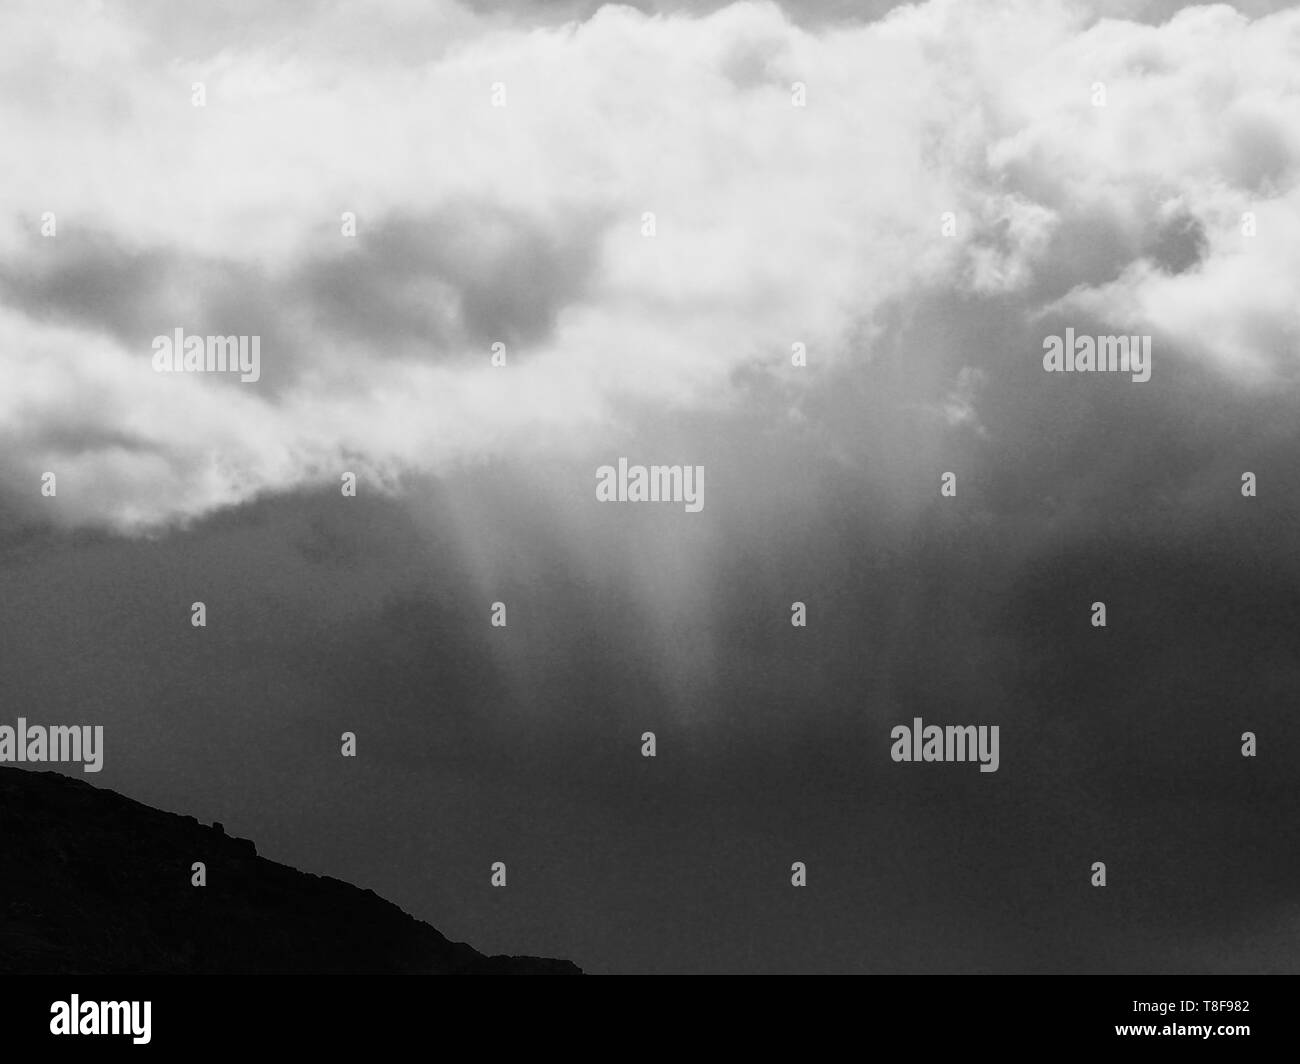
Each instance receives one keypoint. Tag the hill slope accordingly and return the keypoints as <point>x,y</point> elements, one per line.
<point>93,882</point>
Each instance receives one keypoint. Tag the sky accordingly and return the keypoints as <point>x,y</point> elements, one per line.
<point>949,193</point>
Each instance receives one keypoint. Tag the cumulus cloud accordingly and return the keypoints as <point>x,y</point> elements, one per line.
<point>524,224</point>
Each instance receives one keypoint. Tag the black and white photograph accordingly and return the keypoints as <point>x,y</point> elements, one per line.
<point>677,487</point>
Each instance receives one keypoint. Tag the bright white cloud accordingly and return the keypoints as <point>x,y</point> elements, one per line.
<point>774,223</point>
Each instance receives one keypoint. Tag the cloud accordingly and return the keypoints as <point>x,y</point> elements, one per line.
<point>524,224</point>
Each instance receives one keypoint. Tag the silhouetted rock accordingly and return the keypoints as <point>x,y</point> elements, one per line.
<point>91,881</point>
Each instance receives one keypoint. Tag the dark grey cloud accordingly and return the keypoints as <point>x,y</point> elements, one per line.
<point>521,745</point>
<point>1180,245</point>
<point>427,287</point>
<point>467,274</point>
<point>90,279</point>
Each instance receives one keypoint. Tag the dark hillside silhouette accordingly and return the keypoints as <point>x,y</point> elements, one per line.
<point>93,882</point>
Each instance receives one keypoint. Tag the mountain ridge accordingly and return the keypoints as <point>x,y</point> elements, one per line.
<point>94,882</point>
